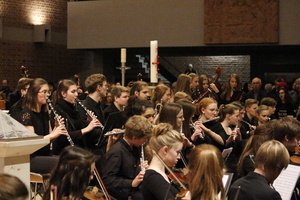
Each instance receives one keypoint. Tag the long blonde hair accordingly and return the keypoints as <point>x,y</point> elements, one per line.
<point>206,172</point>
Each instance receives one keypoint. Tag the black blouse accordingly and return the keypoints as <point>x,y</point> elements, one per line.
<point>155,187</point>
<point>40,123</point>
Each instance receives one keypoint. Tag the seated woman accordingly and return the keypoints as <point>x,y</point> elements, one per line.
<point>246,161</point>
<point>72,174</point>
<point>165,145</point>
<point>65,106</point>
<point>205,173</point>
<point>35,118</point>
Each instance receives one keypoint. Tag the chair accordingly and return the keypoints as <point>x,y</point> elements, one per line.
<point>38,181</point>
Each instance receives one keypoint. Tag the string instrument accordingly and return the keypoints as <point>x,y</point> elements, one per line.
<point>183,189</point>
<point>24,71</point>
<point>95,194</point>
<point>218,72</point>
<point>56,117</point>
<point>296,157</point>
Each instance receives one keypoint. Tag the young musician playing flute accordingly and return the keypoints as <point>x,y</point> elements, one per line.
<point>122,172</point>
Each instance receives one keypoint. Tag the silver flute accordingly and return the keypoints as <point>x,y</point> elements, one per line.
<point>88,112</point>
<point>56,117</point>
<point>142,158</point>
<point>114,132</point>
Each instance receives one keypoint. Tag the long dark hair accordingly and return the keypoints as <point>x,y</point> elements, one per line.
<point>168,114</point>
<point>30,100</point>
<point>72,173</point>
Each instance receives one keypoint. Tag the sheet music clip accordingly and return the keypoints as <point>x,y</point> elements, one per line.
<point>226,153</point>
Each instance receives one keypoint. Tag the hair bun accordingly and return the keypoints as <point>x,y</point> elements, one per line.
<point>161,129</point>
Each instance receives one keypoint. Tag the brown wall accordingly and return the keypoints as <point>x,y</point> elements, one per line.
<point>174,23</point>
<point>50,60</point>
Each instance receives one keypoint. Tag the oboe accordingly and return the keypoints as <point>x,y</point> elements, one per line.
<point>56,117</point>
<point>88,112</point>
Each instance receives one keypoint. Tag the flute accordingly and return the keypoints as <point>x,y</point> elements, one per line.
<point>56,117</point>
<point>114,132</point>
<point>142,158</point>
<point>88,112</point>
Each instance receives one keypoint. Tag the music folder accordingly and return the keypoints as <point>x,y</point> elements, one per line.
<point>285,183</point>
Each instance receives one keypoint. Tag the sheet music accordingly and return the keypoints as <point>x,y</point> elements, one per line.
<point>226,179</point>
<point>226,153</point>
<point>286,181</point>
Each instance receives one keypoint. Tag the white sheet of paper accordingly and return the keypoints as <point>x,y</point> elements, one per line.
<point>286,181</point>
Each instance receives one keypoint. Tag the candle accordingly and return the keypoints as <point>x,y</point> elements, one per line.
<point>153,61</point>
<point>123,55</point>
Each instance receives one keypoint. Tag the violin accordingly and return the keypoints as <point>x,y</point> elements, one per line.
<point>296,157</point>
<point>93,193</point>
<point>183,193</point>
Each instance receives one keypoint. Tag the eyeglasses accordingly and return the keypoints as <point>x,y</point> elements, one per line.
<point>47,92</point>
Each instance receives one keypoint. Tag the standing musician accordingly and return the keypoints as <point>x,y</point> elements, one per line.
<point>166,144</point>
<point>72,174</point>
<point>205,173</point>
<point>122,172</point>
<point>66,107</point>
<point>35,117</point>
<point>96,87</point>
<point>249,121</point>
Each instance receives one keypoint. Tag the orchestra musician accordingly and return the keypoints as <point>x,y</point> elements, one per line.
<point>120,95</point>
<point>122,172</point>
<point>271,158</point>
<point>249,122</point>
<point>246,162</point>
<point>65,106</point>
<point>72,174</point>
<point>194,85</point>
<point>139,90</point>
<point>183,84</point>
<point>262,114</point>
<point>205,173</point>
<point>232,90</point>
<point>166,143</point>
<point>15,99</point>
<point>35,117</point>
<point>229,117</point>
<point>96,86</point>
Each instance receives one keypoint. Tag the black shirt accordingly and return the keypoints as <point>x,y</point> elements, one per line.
<point>40,123</point>
<point>155,187</point>
<point>253,187</point>
<point>121,167</point>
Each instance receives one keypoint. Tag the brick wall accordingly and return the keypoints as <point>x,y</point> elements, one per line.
<point>52,61</point>
<point>207,64</point>
<point>24,13</point>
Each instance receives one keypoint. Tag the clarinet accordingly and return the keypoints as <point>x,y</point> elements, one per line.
<point>56,116</point>
<point>88,112</point>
